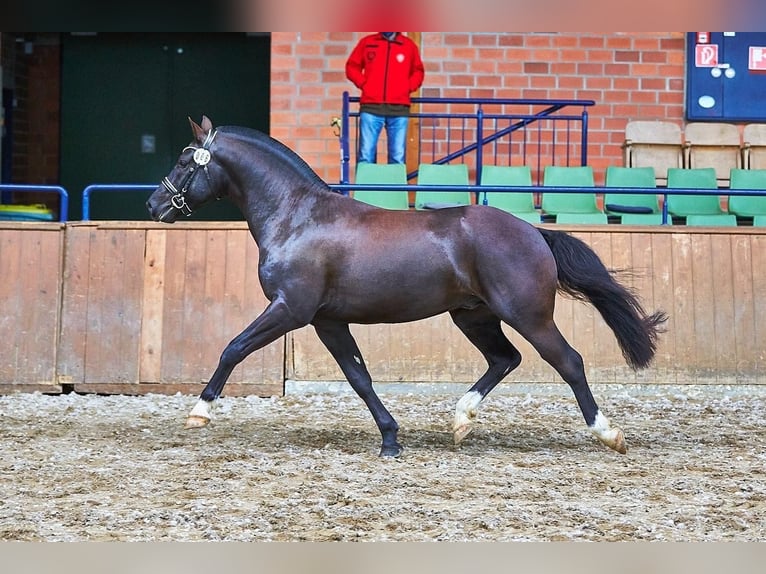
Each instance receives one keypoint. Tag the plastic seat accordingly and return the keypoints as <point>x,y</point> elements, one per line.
<point>714,220</point>
<point>700,178</point>
<point>582,218</point>
<point>748,205</point>
<point>715,145</point>
<point>520,204</point>
<point>754,146</point>
<point>653,144</point>
<point>446,174</point>
<point>643,219</point>
<point>630,203</point>
<point>759,221</point>
<point>554,203</point>
<point>384,173</point>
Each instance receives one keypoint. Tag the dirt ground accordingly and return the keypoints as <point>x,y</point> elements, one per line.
<point>305,467</point>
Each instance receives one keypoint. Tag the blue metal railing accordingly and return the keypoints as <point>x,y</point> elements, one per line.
<point>62,193</point>
<point>86,193</point>
<point>480,136</point>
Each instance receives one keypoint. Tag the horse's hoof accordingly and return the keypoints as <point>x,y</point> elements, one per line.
<point>461,432</point>
<point>391,451</point>
<point>619,443</point>
<point>196,422</point>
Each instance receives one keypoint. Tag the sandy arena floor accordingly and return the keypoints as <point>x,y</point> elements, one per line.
<point>305,467</point>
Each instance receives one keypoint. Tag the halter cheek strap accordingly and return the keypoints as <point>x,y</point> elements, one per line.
<point>201,157</point>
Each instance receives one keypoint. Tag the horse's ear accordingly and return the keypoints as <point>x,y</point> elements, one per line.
<point>200,132</point>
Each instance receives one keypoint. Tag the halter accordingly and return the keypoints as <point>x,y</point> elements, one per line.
<point>201,157</point>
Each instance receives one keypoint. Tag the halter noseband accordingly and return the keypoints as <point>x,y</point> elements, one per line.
<point>201,157</point>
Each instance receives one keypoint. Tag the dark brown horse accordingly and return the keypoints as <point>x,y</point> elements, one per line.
<point>327,261</point>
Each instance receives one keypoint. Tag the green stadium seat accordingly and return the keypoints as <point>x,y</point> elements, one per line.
<point>582,218</point>
<point>383,173</point>
<point>747,205</point>
<point>554,203</point>
<point>697,178</point>
<point>643,219</point>
<point>759,221</point>
<point>444,174</point>
<point>630,202</point>
<point>712,220</point>
<point>521,204</point>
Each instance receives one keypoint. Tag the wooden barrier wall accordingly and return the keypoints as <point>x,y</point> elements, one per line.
<point>149,308</point>
<point>30,304</point>
<point>136,307</point>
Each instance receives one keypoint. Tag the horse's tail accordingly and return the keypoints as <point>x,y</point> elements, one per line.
<point>582,275</point>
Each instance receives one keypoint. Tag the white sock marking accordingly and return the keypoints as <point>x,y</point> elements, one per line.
<point>202,409</point>
<point>467,409</point>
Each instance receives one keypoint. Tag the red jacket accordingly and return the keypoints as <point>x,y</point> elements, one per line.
<point>386,72</point>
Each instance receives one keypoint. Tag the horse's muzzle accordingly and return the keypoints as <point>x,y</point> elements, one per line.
<point>162,211</point>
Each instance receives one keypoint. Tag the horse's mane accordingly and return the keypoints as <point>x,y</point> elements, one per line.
<point>279,149</point>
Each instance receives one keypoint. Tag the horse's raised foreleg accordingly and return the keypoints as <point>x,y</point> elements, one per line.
<point>482,327</point>
<point>275,321</point>
<point>339,341</point>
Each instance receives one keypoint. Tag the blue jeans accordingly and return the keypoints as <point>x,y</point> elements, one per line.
<point>370,126</point>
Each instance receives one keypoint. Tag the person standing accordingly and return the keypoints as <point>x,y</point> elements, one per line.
<point>387,68</point>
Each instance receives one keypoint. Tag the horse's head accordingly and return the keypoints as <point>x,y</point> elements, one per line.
<point>190,183</point>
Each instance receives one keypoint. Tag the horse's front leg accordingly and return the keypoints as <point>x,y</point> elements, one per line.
<point>274,322</point>
<point>339,341</point>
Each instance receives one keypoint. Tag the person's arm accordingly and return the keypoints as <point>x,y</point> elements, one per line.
<point>355,65</point>
<point>417,71</point>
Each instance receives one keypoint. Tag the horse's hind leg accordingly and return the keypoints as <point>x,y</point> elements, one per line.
<point>482,327</point>
<point>555,350</point>
<point>339,341</point>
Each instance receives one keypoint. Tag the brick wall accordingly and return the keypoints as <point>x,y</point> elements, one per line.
<point>35,76</point>
<point>629,76</point>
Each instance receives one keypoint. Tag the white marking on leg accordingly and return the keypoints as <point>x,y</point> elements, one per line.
<point>612,437</point>
<point>465,413</point>
<point>202,409</point>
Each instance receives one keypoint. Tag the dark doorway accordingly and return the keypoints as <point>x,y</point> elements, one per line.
<point>125,102</point>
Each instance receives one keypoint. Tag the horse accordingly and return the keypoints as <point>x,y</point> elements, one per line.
<point>328,260</point>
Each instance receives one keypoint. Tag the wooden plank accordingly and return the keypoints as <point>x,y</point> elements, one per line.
<point>74,310</point>
<point>722,301</point>
<point>173,336</point>
<point>30,268</point>
<point>743,300</point>
<point>758,252</point>
<point>703,308</point>
<point>683,309</point>
<point>196,336</point>
<point>150,358</point>
<point>660,265</point>
<point>11,303</point>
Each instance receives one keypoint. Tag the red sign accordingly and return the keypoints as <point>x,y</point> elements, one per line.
<point>757,59</point>
<point>706,55</point>
<point>703,37</point>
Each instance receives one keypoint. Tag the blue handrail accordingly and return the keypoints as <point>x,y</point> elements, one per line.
<point>517,121</point>
<point>109,187</point>
<point>63,195</point>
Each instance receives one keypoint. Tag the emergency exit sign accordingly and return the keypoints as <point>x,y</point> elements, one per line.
<point>757,59</point>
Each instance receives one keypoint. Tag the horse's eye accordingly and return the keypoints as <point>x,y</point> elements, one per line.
<point>183,162</point>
